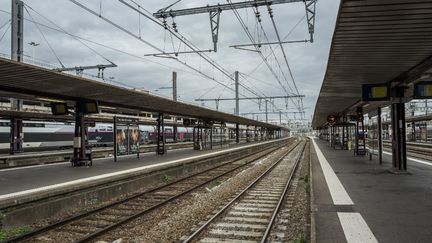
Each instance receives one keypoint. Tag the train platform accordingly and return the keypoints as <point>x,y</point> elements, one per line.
<point>355,199</point>
<point>33,181</point>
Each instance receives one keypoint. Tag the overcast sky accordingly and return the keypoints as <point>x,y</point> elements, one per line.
<point>308,61</point>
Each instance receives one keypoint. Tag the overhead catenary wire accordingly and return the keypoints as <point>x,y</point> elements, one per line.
<point>170,68</point>
<point>281,46</point>
<point>4,34</point>
<point>279,65</point>
<point>43,36</point>
<point>77,39</point>
<point>185,41</point>
<point>256,47</point>
<point>142,40</point>
<point>284,39</point>
<point>3,25</point>
<point>180,37</point>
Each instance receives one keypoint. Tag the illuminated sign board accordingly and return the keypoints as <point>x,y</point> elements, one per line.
<point>375,92</point>
<point>59,109</point>
<point>423,90</point>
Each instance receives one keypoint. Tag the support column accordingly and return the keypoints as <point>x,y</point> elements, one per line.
<point>17,40</point>
<point>80,156</point>
<point>174,85</point>
<point>211,137</point>
<point>221,130</point>
<point>16,135</point>
<point>380,143</point>
<point>399,156</point>
<point>247,134</point>
<point>160,127</point>
<point>266,110</point>
<point>237,131</point>
<point>237,101</point>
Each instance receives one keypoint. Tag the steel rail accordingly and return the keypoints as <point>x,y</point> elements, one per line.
<point>99,209</point>
<point>230,203</point>
<point>282,198</point>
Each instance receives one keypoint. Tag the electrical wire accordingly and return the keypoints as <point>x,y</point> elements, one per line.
<point>77,39</point>
<point>188,43</point>
<point>181,38</point>
<point>284,39</point>
<point>3,25</point>
<point>256,47</point>
<point>5,32</point>
<point>170,68</point>
<point>43,35</point>
<point>281,46</point>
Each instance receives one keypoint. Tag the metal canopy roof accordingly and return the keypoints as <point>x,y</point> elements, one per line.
<point>20,78</point>
<point>375,41</point>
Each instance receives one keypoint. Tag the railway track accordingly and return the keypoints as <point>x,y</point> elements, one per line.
<point>249,216</point>
<point>87,226</point>
<point>417,150</point>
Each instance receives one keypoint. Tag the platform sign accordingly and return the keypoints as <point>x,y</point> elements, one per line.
<point>423,90</point>
<point>331,119</point>
<point>375,92</point>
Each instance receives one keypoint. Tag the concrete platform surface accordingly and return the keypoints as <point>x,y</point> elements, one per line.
<point>357,200</point>
<point>26,180</point>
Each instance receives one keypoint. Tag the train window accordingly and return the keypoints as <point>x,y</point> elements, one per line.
<point>109,129</point>
<point>34,125</point>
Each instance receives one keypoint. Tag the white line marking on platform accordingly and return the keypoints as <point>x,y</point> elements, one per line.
<point>413,159</point>
<point>337,190</point>
<point>103,176</point>
<point>356,229</point>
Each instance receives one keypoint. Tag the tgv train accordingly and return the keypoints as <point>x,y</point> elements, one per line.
<point>56,135</point>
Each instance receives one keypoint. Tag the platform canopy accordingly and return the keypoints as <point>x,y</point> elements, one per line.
<point>20,80</point>
<point>375,41</point>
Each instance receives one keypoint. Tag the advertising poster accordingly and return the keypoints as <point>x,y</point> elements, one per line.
<point>134,138</point>
<point>122,140</point>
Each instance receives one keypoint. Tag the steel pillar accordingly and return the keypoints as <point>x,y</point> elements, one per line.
<point>211,137</point>
<point>237,131</point>
<point>247,134</point>
<point>160,140</point>
<point>266,110</point>
<point>16,135</point>
<point>174,86</point>
<point>17,40</point>
<point>80,156</point>
<point>399,155</point>
<point>237,101</point>
<point>360,148</point>
<point>17,30</point>
<point>380,142</point>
